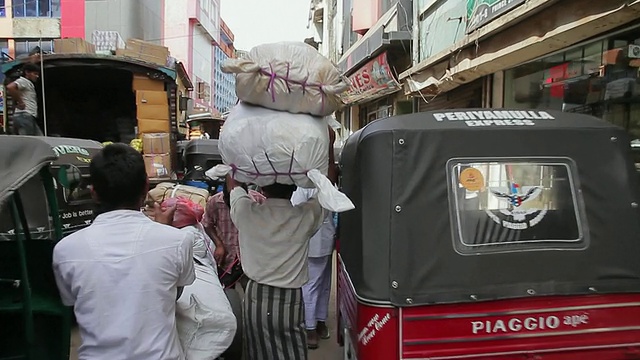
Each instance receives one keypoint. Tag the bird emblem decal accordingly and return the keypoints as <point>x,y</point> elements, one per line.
<point>517,195</point>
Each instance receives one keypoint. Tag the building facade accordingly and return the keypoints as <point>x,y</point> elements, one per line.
<point>225,84</point>
<point>25,24</point>
<point>536,54</point>
<point>132,19</point>
<point>374,44</point>
<point>191,29</point>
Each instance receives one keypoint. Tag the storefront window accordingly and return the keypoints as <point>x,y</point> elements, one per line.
<point>600,78</point>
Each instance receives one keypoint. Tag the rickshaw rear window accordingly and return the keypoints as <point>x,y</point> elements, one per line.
<point>504,205</point>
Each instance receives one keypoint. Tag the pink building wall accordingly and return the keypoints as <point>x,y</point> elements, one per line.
<point>72,18</point>
<point>365,14</point>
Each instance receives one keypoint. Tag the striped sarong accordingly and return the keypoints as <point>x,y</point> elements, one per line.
<point>273,323</point>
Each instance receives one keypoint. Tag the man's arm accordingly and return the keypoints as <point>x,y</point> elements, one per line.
<point>240,202</point>
<point>333,169</point>
<point>209,223</point>
<point>68,299</point>
<point>186,268</point>
<point>14,90</point>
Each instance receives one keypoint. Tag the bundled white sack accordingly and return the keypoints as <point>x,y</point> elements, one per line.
<point>263,146</point>
<point>204,319</point>
<point>288,76</point>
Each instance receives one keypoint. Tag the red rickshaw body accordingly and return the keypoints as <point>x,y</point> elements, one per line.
<point>583,309</point>
<point>552,328</point>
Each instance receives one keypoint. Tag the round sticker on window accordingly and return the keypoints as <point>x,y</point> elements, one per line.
<point>472,179</point>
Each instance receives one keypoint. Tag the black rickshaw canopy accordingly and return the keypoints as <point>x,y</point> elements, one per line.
<point>21,157</point>
<point>471,205</point>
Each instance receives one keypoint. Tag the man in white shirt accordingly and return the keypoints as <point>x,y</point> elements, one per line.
<point>123,273</point>
<point>23,93</point>
<point>317,290</point>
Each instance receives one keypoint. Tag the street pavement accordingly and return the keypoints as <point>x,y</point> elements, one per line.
<point>328,350</point>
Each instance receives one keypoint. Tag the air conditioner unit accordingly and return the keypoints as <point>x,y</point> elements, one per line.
<point>634,52</point>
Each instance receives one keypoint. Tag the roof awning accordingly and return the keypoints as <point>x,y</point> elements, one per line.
<point>537,35</point>
<point>184,76</point>
<point>392,26</point>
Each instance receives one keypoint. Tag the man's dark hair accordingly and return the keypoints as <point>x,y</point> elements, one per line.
<point>279,191</point>
<point>118,177</point>
<point>29,67</point>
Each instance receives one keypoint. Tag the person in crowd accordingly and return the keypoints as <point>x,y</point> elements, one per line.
<point>205,321</point>
<point>23,93</point>
<point>274,243</point>
<point>317,290</point>
<point>218,225</point>
<point>124,272</point>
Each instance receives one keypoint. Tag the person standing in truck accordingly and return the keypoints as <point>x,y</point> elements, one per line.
<point>23,92</point>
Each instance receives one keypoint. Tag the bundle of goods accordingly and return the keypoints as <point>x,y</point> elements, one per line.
<point>157,157</point>
<point>288,76</point>
<point>263,146</point>
<point>204,318</point>
<point>168,190</point>
<point>279,131</point>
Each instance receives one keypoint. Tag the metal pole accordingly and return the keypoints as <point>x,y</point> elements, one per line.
<point>44,102</point>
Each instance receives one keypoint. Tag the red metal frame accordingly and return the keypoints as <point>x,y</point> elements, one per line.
<point>602,327</point>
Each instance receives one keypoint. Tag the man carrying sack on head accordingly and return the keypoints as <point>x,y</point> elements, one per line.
<point>274,244</point>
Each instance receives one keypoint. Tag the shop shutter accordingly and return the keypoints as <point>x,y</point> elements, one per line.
<point>465,96</point>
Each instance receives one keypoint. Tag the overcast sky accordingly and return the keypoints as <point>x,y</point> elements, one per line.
<point>256,22</point>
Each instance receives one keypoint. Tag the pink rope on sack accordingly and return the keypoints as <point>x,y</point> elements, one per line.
<point>275,173</point>
<point>304,83</point>
<point>272,83</point>
<point>286,82</point>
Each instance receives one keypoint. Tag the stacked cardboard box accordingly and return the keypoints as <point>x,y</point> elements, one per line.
<point>156,148</point>
<point>152,111</point>
<point>145,51</point>
<point>73,46</point>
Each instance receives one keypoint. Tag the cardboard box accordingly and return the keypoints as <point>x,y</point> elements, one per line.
<point>146,48</point>
<point>157,165</point>
<point>145,51</point>
<point>157,112</point>
<point>147,126</point>
<point>144,83</point>
<point>161,61</point>
<point>73,46</point>
<point>145,97</point>
<point>156,143</point>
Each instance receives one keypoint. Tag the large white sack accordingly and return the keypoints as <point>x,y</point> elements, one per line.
<point>263,146</point>
<point>288,76</point>
<point>204,319</point>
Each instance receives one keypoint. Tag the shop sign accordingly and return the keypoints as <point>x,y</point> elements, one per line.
<point>1,97</point>
<point>481,12</point>
<point>371,81</point>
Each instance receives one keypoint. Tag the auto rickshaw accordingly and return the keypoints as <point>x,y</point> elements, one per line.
<point>34,324</point>
<point>75,204</point>
<point>201,155</point>
<point>489,234</point>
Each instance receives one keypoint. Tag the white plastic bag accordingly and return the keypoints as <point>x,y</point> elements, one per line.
<point>204,319</point>
<point>263,146</point>
<point>288,76</point>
